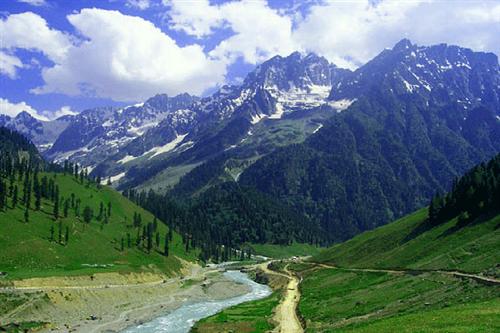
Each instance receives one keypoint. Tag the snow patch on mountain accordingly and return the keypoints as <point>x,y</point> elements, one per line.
<point>126,159</point>
<point>342,104</point>
<point>318,128</point>
<point>167,147</point>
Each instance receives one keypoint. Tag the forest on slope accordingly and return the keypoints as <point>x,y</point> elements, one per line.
<point>57,221</point>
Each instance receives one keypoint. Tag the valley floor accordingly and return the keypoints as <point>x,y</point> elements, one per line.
<point>108,301</point>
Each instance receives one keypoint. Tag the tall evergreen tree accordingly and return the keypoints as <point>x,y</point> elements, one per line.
<point>87,214</point>
<point>56,202</point>
<point>165,249</point>
<point>15,194</point>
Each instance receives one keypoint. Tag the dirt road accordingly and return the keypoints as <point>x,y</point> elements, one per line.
<point>285,314</point>
<point>478,278</point>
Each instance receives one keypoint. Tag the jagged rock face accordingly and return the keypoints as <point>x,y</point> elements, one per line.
<point>41,133</point>
<point>174,131</point>
<point>294,71</point>
<point>439,73</point>
<point>98,133</point>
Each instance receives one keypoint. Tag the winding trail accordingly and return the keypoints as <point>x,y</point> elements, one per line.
<point>286,312</point>
<point>476,277</point>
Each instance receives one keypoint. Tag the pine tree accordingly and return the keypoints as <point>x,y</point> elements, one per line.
<point>26,215</point>
<point>3,195</point>
<point>60,232</point>
<point>56,202</point>
<point>149,237</point>
<point>165,250</point>
<point>157,239</point>
<point>15,196</point>
<point>66,207</point>
<point>109,209</point>
<point>122,245</point>
<point>101,211</point>
<point>87,214</point>
<point>38,192</point>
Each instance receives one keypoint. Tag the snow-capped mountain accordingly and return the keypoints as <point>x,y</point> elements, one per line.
<point>244,122</point>
<point>441,73</point>
<point>42,133</point>
<point>98,133</point>
<point>226,120</point>
<point>282,101</point>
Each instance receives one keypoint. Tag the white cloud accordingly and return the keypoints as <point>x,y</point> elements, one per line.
<point>9,65</point>
<point>63,111</point>
<point>259,31</point>
<point>195,18</point>
<point>351,33</point>
<point>127,58</point>
<point>30,31</point>
<point>139,4</point>
<point>13,109</point>
<point>348,33</point>
<point>37,3</point>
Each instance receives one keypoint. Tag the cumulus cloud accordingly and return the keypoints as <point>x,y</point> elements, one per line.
<point>9,64</point>
<point>259,31</point>
<point>349,34</point>
<point>13,109</point>
<point>127,58</point>
<point>30,31</point>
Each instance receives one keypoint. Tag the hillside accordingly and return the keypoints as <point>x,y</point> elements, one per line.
<point>395,276</point>
<point>460,231</point>
<point>94,230</point>
<point>420,273</point>
<point>413,119</point>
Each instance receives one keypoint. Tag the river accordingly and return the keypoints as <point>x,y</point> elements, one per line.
<point>182,319</point>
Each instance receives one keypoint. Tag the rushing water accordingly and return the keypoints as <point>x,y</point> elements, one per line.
<point>182,319</point>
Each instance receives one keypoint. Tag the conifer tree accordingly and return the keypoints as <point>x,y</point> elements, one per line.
<point>60,232</point>
<point>15,196</point>
<point>165,250</point>
<point>26,215</point>
<point>87,214</point>
<point>3,195</point>
<point>66,207</point>
<point>101,211</point>
<point>56,202</point>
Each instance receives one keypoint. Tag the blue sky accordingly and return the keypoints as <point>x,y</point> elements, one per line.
<point>59,57</point>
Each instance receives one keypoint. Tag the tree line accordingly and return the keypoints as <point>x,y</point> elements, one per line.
<point>474,194</point>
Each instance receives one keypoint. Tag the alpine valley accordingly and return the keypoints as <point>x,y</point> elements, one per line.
<point>346,151</point>
<point>308,198</point>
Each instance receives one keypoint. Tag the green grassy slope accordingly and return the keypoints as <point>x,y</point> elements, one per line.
<point>346,300</point>
<point>335,300</point>
<point>406,244</point>
<point>285,251</point>
<point>247,317</point>
<point>26,249</point>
